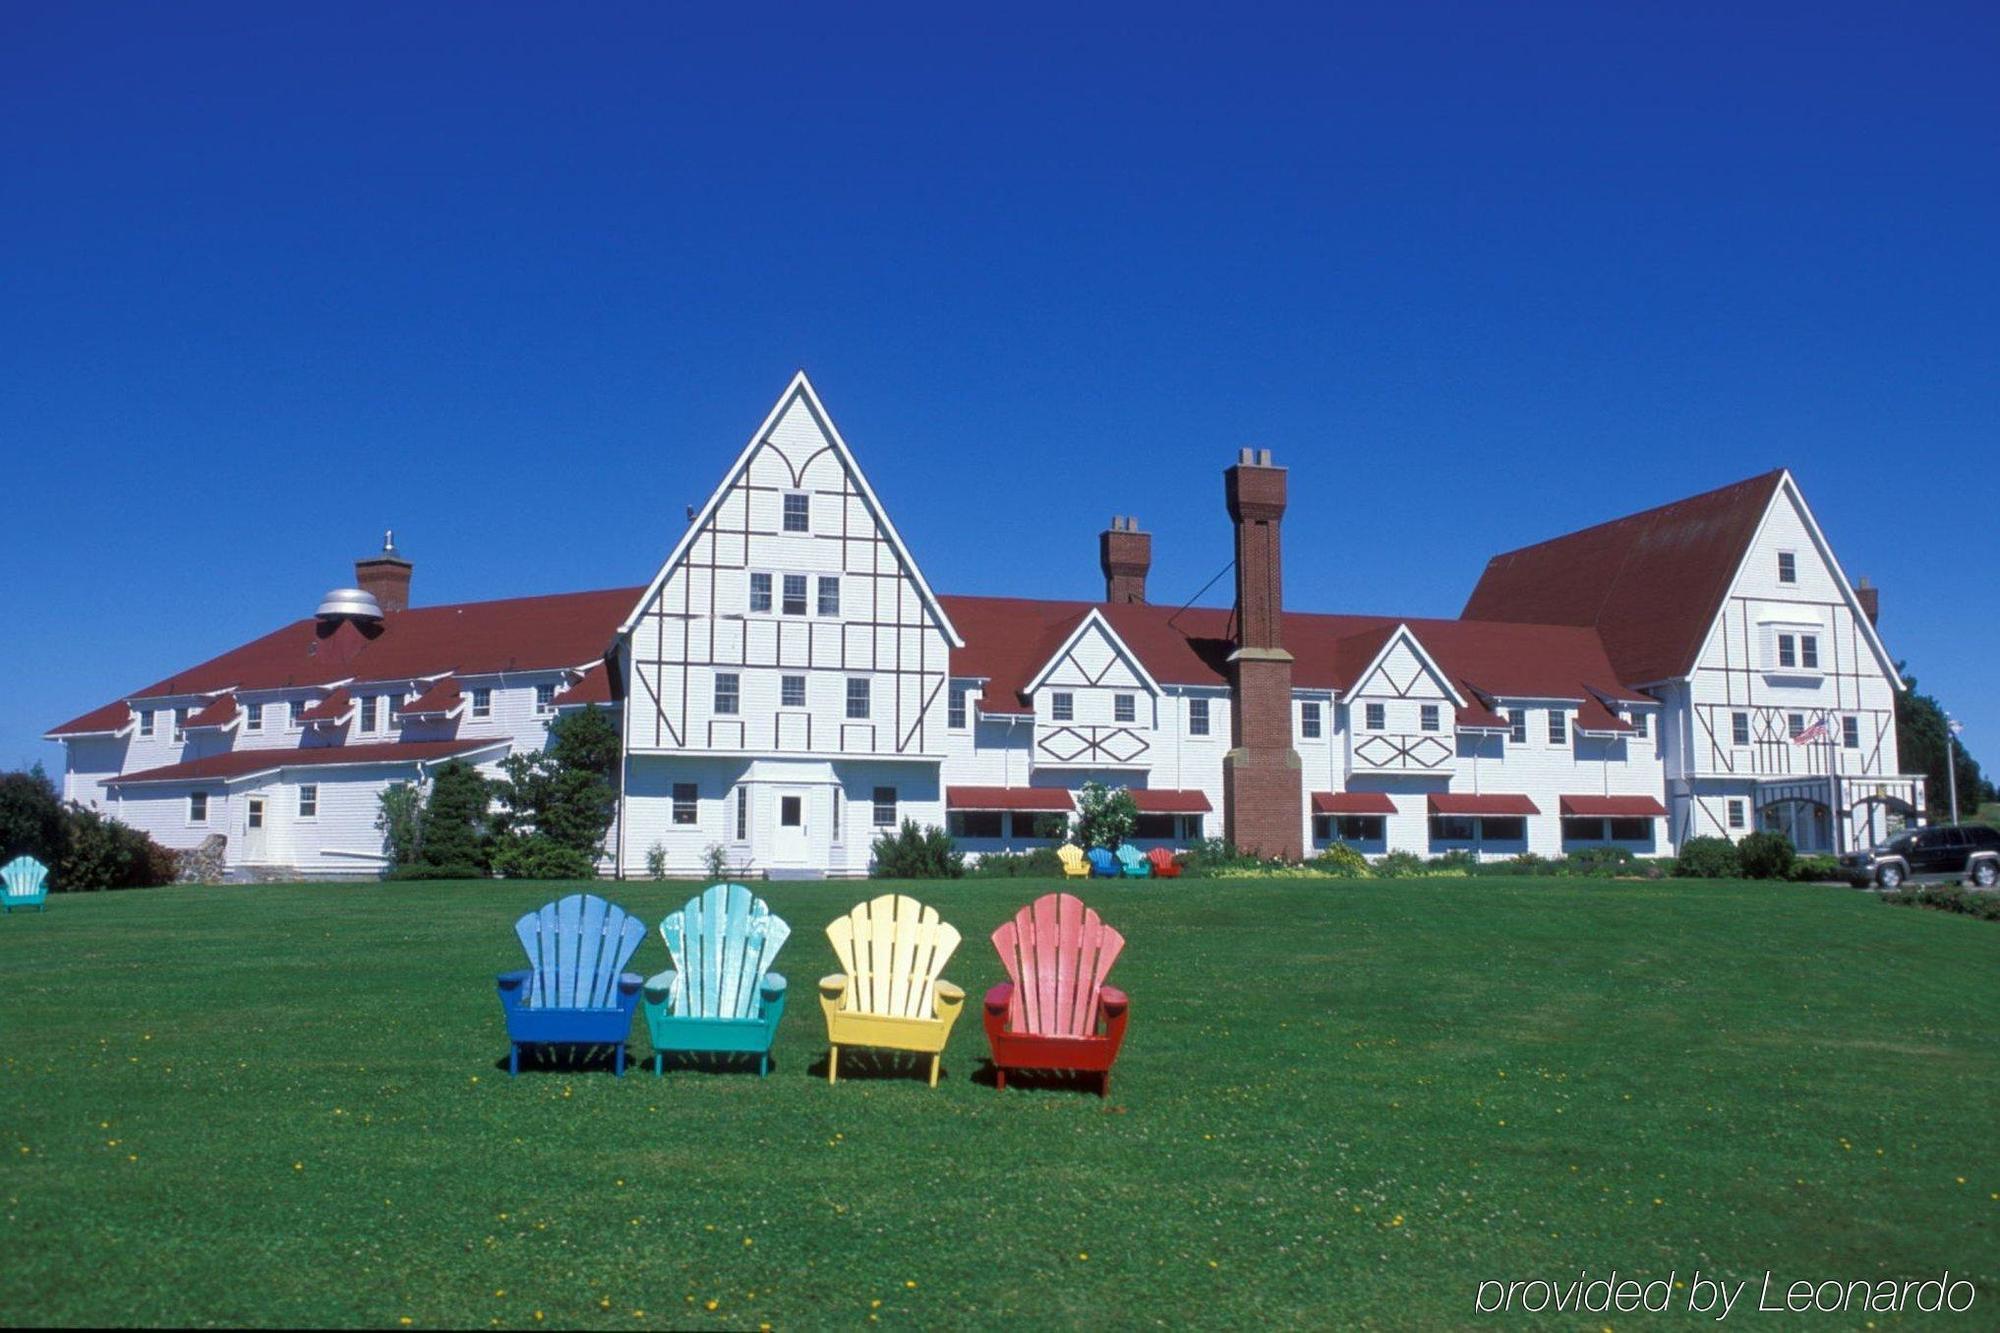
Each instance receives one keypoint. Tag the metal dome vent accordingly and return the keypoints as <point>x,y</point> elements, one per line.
<point>349,603</point>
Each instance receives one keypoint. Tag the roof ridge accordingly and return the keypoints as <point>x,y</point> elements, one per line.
<point>1772,475</point>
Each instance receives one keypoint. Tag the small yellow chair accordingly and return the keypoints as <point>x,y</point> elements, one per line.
<point>1075,865</point>
<point>889,996</point>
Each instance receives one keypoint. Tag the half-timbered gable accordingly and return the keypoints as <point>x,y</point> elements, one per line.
<point>1401,710</point>
<point>1096,707</point>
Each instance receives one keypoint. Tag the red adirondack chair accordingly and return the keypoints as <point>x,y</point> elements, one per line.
<point>1164,865</point>
<point>1058,953</point>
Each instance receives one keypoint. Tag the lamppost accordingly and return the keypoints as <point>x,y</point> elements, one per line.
<point>1951,730</point>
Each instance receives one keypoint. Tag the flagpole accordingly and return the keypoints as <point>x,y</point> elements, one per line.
<point>1951,762</point>
<point>1833,787</point>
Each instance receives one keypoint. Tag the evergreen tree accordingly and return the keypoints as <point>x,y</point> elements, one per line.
<point>566,793</point>
<point>1921,742</point>
<point>31,817</point>
<point>453,827</point>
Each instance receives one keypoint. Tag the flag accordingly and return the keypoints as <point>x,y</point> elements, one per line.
<point>1816,732</point>
<point>1957,727</point>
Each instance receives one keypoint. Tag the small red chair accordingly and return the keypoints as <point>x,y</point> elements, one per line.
<point>1164,865</point>
<point>1057,952</point>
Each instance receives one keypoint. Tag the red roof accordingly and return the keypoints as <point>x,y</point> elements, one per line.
<point>1471,803</point>
<point>469,638</point>
<point>1651,584</point>
<point>436,701</point>
<point>330,709</point>
<point>1352,803</point>
<point>218,714</point>
<point>1594,717</point>
<point>1167,801</point>
<point>1054,800</point>
<point>1613,807</point>
<point>594,688</point>
<point>243,763</point>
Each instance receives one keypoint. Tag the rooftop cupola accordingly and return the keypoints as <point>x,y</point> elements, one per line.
<point>385,577</point>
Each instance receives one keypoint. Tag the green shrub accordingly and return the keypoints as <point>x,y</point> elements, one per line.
<point>1105,816</point>
<point>452,830</point>
<point>656,861</point>
<point>425,872</point>
<point>1341,860</point>
<point>523,856</point>
<point>1807,869</point>
<point>1458,858</point>
<point>1608,859</point>
<point>1209,856</point>
<point>1399,865</point>
<point>1708,858</point>
<point>31,817</point>
<point>1766,856</point>
<point>98,852</point>
<point>1038,862</point>
<point>917,853</point>
<point>1948,898</point>
<point>400,818</point>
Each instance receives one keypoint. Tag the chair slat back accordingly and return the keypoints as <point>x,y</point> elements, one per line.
<point>24,876</point>
<point>892,948</point>
<point>723,941</point>
<point>577,947</point>
<point>1070,855</point>
<point>1058,953</point>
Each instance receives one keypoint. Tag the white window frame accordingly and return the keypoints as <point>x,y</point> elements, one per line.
<point>1517,726</point>
<point>308,800</point>
<point>1428,717</point>
<point>805,512</point>
<point>1734,814</point>
<point>180,725</point>
<point>1788,567</point>
<point>146,723</point>
<point>482,703</point>
<point>1062,706</point>
<point>692,804</point>
<point>956,715</point>
<point>879,805</point>
<point>253,718</point>
<point>200,821</point>
<point>545,699</point>
<point>863,697</point>
<point>742,813</point>
<point>785,595</point>
<point>785,683</point>
<point>729,691</point>
<point>1375,717</point>
<point>827,583</point>
<point>1739,729</point>
<point>364,712</point>
<point>767,593</point>
<point>1808,652</point>
<point>1310,726</point>
<point>1850,732</point>
<point>1558,726</point>
<point>1788,652</point>
<point>1125,708</point>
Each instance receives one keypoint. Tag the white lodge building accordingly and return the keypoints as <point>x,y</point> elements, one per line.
<point>789,685</point>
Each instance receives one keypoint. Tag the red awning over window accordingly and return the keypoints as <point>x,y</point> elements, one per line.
<point>1035,800</point>
<point>330,709</point>
<point>1469,803</point>
<point>1352,803</point>
<point>1613,807</point>
<point>1167,801</point>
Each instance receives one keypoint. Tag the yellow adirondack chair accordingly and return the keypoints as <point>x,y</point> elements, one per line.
<point>889,995</point>
<point>1075,865</point>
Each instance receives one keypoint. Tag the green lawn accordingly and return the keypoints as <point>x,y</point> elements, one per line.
<point>1337,1104</point>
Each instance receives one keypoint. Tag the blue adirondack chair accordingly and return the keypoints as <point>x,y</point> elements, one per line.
<point>1103,864</point>
<point>721,994</point>
<point>24,883</point>
<point>1132,862</point>
<point>574,991</point>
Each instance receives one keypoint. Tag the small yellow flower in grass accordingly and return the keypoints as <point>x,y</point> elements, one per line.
<point>1083,1254</point>
<point>475,1078</point>
<point>1658,1202</point>
<point>621,1181</point>
<point>711,1302</point>
<point>747,1242</point>
<point>404,1321</point>
<point>1961,1180</point>
<point>638,1314</point>
<point>498,1293</point>
<point>875,1304</point>
<point>1396,1221</point>
<point>604,1303</point>
<point>911,1285</point>
<point>298,1166</point>
<point>538,1316</point>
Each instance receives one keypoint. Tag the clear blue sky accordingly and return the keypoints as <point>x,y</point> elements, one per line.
<point>519,280</point>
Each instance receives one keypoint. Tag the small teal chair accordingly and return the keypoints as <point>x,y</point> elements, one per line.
<point>1103,864</point>
<point>575,990</point>
<point>721,994</point>
<point>26,884</point>
<point>1132,862</point>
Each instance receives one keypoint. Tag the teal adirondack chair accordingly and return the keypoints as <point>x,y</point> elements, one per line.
<point>26,884</point>
<point>575,990</point>
<point>721,994</point>
<point>1133,862</point>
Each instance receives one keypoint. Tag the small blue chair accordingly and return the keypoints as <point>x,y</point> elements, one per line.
<point>1103,864</point>
<point>575,990</point>
<point>26,884</point>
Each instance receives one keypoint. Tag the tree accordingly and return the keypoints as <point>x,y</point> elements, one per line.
<point>31,817</point>
<point>453,829</point>
<point>1105,816</point>
<point>1922,743</point>
<point>565,793</point>
<point>401,821</point>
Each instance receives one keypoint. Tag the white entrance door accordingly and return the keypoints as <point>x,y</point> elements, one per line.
<point>253,829</point>
<point>790,844</point>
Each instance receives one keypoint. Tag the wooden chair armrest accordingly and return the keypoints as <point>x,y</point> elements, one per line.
<point>513,987</point>
<point>1112,999</point>
<point>833,987</point>
<point>947,999</point>
<point>998,998</point>
<point>659,986</point>
<point>773,985</point>
<point>629,983</point>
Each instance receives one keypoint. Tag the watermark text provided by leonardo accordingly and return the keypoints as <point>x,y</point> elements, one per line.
<point>1721,1297</point>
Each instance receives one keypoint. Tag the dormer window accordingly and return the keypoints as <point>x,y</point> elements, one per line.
<point>180,724</point>
<point>1558,727</point>
<point>545,700</point>
<point>145,721</point>
<point>253,717</point>
<point>482,702</point>
<point>798,512</point>
<point>1788,567</point>
<point>367,715</point>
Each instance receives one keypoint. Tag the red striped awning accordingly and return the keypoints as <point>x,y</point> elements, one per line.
<point>1613,807</point>
<point>1471,803</point>
<point>1167,801</point>
<point>1049,800</point>
<point>1352,803</point>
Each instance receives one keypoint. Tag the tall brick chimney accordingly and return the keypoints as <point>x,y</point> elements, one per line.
<point>1126,554</point>
<point>387,576</point>
<point>1870,598</point>
<point>1263,808</point>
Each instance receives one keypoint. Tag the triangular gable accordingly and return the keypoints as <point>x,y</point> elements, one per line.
<point>1093,620</point>
<point>799,390</point>
<point>1403,634</point>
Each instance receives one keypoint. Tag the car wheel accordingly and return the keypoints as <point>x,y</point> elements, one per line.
<point>1986,874</point>
<point>1890,877</point>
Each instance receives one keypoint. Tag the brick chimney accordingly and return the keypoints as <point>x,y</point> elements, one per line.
<point>1870,598</point>
<point>1126,554</point>
<point>1263,808</point>
<point>387,576</point>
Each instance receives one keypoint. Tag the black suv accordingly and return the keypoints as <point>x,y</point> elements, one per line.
<point>1940,853</point>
